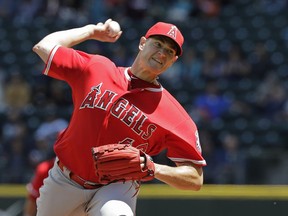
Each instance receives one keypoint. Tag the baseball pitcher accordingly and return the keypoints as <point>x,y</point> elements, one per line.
<point>122,116</point>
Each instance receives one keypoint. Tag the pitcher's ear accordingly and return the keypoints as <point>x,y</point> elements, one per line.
<point>142,43</point>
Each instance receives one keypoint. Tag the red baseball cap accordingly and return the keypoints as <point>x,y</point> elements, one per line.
<point>168,30</point>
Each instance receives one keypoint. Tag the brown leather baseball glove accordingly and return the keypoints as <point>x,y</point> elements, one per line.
<point>121,162</point>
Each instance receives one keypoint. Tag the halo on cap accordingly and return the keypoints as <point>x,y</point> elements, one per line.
<point>168,30</point>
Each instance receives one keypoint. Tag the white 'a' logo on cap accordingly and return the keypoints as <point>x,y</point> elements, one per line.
<point>172,32</point>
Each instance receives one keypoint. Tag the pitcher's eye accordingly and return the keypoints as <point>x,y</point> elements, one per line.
<point>157,44</point>
<point>171,52</point>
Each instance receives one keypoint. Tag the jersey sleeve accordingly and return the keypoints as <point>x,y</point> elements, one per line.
<point>66,63</point>
<point>184,144</point>
<point>181,133</point>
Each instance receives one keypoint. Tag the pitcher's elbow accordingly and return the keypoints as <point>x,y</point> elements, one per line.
<point>198,187</point>
<point>35,48</point>
<point>198,183</point>
<point>195,185</point>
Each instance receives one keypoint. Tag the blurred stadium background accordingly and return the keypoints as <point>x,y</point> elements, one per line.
<point>232,79</point>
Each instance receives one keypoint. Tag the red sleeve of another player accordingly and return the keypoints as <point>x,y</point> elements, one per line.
<point>40,174</point>
<point>184,144</point>
<point>66,63</point>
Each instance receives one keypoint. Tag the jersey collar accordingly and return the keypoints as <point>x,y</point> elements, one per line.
<point>135,82</point>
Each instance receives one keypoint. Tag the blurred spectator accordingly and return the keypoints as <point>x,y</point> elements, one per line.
<point>17,163</point>
<point>260,61</point>
<point>236,66</point>
<point>8,8</point>
<point>27,10</point>
<point>115,8</point>
<point>211,104</point>
<point>41,150</point>
<point>50,126</point>
<point>272,6</point>
<point>17,92</point>
<point>191,66</point>
<point>59,94</point>
<point>119,55</point>
<point>45,135</point>
<point>137,9</point>
<point>209,8</point>
<point>270,97</point>
<point>213,64</point>
<point>97,10</point>
<point>16,143</point>
<point>13,126</point>
<point>231,161</point>
<point>40,96</point>
<point>69,9</point>
<point>52,8</point>
<point>180,10</point>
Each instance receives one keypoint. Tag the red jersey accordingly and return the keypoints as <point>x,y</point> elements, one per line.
<point>107,110</point>
<point>40,174</point>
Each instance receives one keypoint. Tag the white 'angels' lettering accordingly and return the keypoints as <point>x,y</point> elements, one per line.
<point>121,109</point>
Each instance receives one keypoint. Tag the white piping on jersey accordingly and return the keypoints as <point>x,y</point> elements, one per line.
<point>125,72</point>
<point>50,59</point>
<point>149,88</point>
<point>201,162</point>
